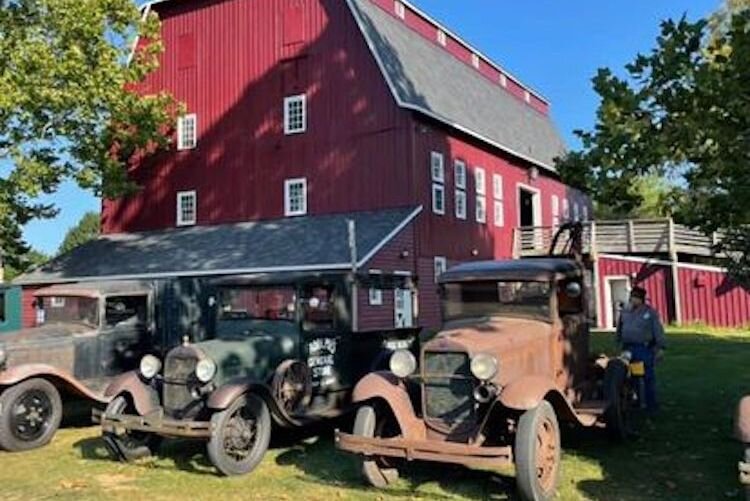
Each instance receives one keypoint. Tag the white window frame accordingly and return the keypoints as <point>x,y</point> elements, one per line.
<point>498,187</point>
<point>182,196</point>
<point>57,302</point>
<point>481,209</point>
<point>480,180</point>
<point>376,297</point>
<point>499,213</point>
<point>576,212</point>
<point>459,174</point>
<point>461,207</point>
<point>566,210</point>
<point>585,213</point>
<point>438,192</point>
<point>288,184</point>
<point>437,167</point>
<point>187,143</point>
<point>400,9</point>
<point>555,211</point>
<point>442,38</point>
<point>440,266</point>
<point>290,101</point>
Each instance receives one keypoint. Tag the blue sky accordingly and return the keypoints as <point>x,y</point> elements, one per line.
<point>556,47</point>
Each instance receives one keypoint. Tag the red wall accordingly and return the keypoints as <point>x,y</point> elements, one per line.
<point>712,298</point>
<point>28,307</point>
<point>231,63</point>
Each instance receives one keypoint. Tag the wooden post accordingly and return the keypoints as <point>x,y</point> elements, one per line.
<point>673,257</point>
<point>516,243</point>
<point>631,236</point>
<point>596,292</point>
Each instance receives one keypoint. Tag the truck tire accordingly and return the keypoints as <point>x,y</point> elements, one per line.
<point>240,436</point>
<point>617,415</point>
<point>130,445</point>
<point>537,453</point>
<point>30,415</point>
<point>373,422</point>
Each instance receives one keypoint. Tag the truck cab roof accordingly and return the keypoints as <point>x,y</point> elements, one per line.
<point>530,269</point>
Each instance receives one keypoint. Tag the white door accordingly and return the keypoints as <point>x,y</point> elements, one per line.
<point>618,294</point>
<point>404,308</point>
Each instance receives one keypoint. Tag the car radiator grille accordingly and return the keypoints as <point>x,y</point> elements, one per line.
<point>178,399</point>
<point>448,389</point>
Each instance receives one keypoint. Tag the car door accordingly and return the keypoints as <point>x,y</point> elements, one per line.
<point>126,333</point>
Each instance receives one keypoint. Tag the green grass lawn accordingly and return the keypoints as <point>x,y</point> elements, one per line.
<point>686,453</point>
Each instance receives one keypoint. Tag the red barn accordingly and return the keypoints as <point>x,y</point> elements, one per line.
<point>308,113</point>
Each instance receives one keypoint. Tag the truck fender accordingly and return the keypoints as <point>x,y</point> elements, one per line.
<point>528,392</point>
<point>386,387</point>
<point>742,421</point>
<point>144,397</point>
<point>61,379</point>
<point>223,397</point>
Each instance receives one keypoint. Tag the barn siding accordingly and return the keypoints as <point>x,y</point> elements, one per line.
<point>711,297</point>
<point>28,307</point>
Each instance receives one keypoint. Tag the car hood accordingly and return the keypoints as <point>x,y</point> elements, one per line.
<point>521,346</point>
<point>44,334</point>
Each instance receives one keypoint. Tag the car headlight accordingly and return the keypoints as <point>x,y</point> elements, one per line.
<point>150,366</point>
<point>484,367</point>
<point>205,370</point>
<point>403,364</point>
<point>3,356</point>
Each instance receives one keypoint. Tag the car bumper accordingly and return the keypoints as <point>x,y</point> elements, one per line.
<point>154,423</point>
<point>425,450</point>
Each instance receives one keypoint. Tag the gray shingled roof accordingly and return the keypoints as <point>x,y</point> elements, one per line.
<point>292,244</point>
<point>425,77</point>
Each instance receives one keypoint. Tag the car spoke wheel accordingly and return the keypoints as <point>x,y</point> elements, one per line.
<point>32,411</point>
<point>292,388</point>
<point>128,445</point>
<point>376,422</point>
<point>537,453</point>
<point>240,436</point>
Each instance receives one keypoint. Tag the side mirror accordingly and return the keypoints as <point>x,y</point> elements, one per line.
<point>573,290</point>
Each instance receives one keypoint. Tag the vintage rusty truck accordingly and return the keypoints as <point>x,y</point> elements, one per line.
<point>742,433</point>
<point>286,351</point>
<point>86,335</point>
<point>510,363</point>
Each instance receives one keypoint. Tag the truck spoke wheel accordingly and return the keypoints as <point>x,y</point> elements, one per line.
<point>537,453</point>
<point>32,411</point>
<point>374,422</point>
<point>128,446</point>
<point>240,436</point>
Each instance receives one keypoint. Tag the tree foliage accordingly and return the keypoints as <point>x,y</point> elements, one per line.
<point>69,109</point>
<point>31,259</point>
<point>681,111</point>
<point>87,229</point>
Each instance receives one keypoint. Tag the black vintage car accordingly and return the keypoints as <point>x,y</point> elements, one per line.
<point>287,350</point>
<point>86,335</point>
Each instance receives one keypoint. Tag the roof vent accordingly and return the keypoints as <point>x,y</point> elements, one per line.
<point>527,96</point>
<point>503,80</point>
<point>400,9</point>
<point>442,38</point>
<point>475,60</point>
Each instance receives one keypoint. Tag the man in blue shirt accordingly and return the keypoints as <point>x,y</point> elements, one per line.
<point>641,332</point>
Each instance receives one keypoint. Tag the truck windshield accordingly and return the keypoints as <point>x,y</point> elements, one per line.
<point>253,303</point>
<point>81,310</point>
<point>463,301</point>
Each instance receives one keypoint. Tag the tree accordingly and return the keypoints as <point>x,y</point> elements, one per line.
<point>682,111</point>
<point>29,260</point>
<point>69,106</point>
<point>87,229</point>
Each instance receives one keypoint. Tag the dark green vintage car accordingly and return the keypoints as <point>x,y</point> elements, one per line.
<point>286,350</point>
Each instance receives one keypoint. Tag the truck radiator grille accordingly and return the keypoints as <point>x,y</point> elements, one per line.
<point>448,389</point>
<point>178,398</point>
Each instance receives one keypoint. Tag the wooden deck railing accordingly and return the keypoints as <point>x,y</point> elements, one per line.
<point>637,236</point>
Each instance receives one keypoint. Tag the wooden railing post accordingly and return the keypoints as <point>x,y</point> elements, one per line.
<point>673,257</point>
<point>516,243</point>
<point>631,236</point>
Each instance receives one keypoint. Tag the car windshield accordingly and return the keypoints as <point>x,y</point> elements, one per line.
<point>69,309</point>
<point>463,301</point>
<point>256,303</point>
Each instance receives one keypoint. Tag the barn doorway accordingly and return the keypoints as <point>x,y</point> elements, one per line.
<point>617,295</point>
<point>529,207</point>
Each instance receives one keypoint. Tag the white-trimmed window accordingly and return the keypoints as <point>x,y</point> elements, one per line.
<point>187,132</point>
<point>295,197</point>
<point>576,212</point>
<point>481,212</point>
<point>441,266</point>
<point>438,199</point>
<point>376,297</point>
<point>442,38</point>
<point>57,302</point>
<point>295,114</point>
<point>459,174</point>
<point>503,80</point>
<point>475,60</point>
<point>437,167</point>
<point>555,211</point>
<point>585,213</point>
<point>566,210</point>
<point>187,208</point>
<point>400,9</point>
<point>498,194</point>
<point>480,181</point>
<point>460,204</point>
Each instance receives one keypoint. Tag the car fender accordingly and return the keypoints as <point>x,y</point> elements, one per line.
<point>61,379</point>
<point>528,392</point>
<point>222,397</point>
<point>742,421</point>
<point>144,397</point>
<point>390,389</point>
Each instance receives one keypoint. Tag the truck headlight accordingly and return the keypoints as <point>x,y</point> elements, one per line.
<point>403,364</point>
<point>484,367</point>
<point>205,370</point>
<point>150,366</point>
